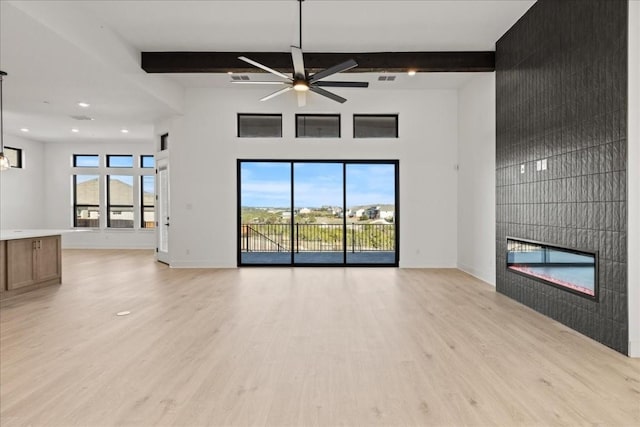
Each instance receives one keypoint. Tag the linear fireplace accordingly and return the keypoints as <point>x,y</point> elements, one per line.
<point>573,270</point>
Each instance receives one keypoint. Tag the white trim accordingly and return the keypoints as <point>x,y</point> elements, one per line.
<point>476,273</point>
<point>633,180</point>
<point>198,264</point>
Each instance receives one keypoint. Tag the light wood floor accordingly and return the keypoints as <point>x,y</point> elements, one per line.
<point>296,347</point>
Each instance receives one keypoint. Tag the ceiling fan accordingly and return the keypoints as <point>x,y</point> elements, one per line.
<point>301,82</point>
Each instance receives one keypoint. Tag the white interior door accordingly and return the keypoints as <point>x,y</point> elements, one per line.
<point>164,217</point>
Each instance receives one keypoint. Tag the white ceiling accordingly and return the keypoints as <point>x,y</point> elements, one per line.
<point>58,53</point>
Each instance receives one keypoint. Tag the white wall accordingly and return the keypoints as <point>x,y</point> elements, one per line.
<point>22,190</point>
<point>59,194</point>
<point>633,174</point>
<point>476,177</point>
<point>204,150</point>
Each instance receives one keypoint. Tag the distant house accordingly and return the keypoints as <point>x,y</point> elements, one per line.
<point>387,214</point>
<point>372,212</point>
<point>305,211</point>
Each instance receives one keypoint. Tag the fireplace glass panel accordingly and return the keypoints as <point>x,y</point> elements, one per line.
<point>566,268</point>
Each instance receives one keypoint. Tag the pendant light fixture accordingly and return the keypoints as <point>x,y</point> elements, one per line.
<point>4,160</point>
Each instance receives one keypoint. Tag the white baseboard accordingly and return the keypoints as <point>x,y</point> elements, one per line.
<point>477,274</point>
<point>634,349</point>
<point>119,246</point>
<point>198,264</point>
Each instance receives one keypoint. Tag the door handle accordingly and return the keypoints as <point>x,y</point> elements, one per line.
<point>167,224</point>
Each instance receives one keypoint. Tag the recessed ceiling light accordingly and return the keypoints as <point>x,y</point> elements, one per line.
<point>83,104</point>
<point>412,72</point>
<point>74,130</point>
<point>124,130</point>
<point>24,129</point>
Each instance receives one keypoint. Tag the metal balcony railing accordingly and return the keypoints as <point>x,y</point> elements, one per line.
<point>317,237</point>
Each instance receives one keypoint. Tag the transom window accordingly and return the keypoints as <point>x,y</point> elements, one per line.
<point>119,161</point>
<point>86,160</point>
<point>260,125</point>
<point>14,155</point>
<point>375,125</point>
<point>147,161</point>
<point>317,125</point>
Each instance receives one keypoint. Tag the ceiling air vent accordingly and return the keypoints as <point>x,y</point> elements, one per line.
<point>386,78</point>
<point>239,77</point>
<point>81,117</point>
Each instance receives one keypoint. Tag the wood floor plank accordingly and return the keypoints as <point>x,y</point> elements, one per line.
<point>295,347</point>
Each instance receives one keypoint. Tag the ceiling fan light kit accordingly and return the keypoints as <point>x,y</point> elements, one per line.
<point>301,82</point>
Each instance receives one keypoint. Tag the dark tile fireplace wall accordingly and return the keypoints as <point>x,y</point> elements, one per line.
<point>561,95</point>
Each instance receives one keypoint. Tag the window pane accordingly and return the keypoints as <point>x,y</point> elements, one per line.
<point>87,189</point>
<point>317,126</point>
<point>148,217</point>
<point>375,126</point>
<point>120,198</point>
<point>87,216</point>
<point>260,125</point>
<point>14,155</point>
<point>86,160</point>
<point>87,201</point>
<point>148,201</point>
<point>164,142</point>
<point>147,162</point>
<point>115,161</point>
<point>121,217</point>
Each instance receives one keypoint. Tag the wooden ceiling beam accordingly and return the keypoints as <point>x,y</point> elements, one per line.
<point>223,62</point>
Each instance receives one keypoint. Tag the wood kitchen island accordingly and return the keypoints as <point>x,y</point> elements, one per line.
<point>29,259</point>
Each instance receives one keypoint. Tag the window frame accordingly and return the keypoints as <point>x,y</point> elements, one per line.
<point>397,132</point>
<point>109,205</point>
<point>109,156</point>
<point>141,160</point>
<point>240,115</point>
<point>164,141</point>
<point>338,116</point>
<point>75,201</point>
<point>143,206</point>
<point>18,155</point>
<point>75,160</point>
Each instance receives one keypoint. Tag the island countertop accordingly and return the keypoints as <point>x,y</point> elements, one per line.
<point>31,233</point>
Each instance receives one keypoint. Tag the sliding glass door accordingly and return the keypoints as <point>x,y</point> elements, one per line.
<point>265,213</point>
<point>313,213</point>
<point>318,198</point>
<point>371,213</point>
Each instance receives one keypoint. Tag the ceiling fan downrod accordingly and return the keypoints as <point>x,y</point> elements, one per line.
<point>300,22</point>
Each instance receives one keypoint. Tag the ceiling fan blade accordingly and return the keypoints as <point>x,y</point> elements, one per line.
<point>328,94</point>
<point>264,67</point>
<point>277,93</point>
<point>347,65</point>
<point>302,99</point>
<point>298,62</point>
<point>326,83</point>
<point>246,82</point>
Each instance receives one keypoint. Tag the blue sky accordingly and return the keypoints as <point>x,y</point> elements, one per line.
<point>268,184</point>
